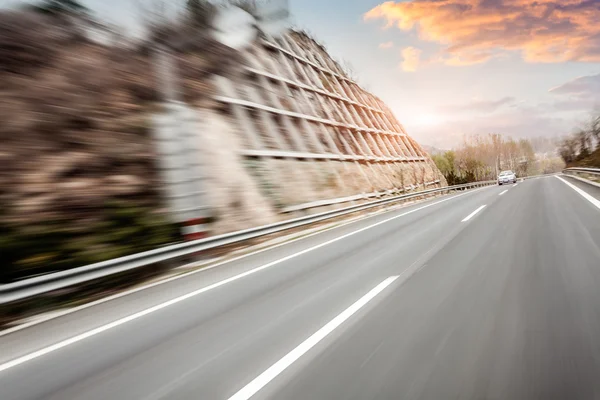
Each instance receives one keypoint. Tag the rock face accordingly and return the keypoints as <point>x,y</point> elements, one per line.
<point>79,181</point>
<point>308,133</point>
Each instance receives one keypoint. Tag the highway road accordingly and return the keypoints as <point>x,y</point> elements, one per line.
<point>487,294</point>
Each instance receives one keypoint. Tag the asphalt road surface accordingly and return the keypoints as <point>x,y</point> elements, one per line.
<point>489,294</point>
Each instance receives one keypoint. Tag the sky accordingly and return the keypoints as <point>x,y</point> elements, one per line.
<point>449,68</point>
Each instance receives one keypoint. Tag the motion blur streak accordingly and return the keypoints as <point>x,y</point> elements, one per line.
<point>490,314</point>
<point>158,307</point>
<point>250,389</point>
<point>217,119</point>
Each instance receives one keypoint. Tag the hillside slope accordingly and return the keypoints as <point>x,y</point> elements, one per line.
<point>279,126</point>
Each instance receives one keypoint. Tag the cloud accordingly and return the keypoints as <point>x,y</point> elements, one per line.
<point>478,106</point>
<point>514,122</point>
<point>459,60</point>
<point>508,116</point>
<point>411,59</point>
<point>386,45</point>
<point>585,105</point>
<point>473,31</point>
<point>579,94</point>
<point>584,85</point>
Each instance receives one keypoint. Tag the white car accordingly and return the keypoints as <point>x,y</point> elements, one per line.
<point>506,177</point>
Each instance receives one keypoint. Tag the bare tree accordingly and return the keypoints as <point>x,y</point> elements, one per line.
<point>200,13</point>
<point>349,70</point>
<point>594,129</point>
<point>60,7</point>
<point>568,149</point>
<point>584,141</point>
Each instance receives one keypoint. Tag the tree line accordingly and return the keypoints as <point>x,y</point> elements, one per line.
<point>582,148</point>
<point>482,157</point>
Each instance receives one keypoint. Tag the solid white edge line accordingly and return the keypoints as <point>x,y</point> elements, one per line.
<point>473,213</point>
<point>584,180</point>
<point>503,192</point>
<point>201,269</point>
<point>121,321</point>
<point>274,370</point>
<point>185,275</point>
<point>582,192</point>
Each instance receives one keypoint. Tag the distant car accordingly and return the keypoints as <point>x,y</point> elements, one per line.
<point>507,177</point>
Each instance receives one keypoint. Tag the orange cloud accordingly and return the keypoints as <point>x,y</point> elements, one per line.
<point>473,31</point>
<point>411,59</point>
<point>458,60</point>
<point>386,45</point>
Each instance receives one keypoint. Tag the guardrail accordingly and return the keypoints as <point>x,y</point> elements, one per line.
<point>588,175</point>
<point>592,171</point>
<point>26,288</point>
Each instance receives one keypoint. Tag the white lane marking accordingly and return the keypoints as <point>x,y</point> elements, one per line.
<point>515,184</point>
<point>185,275</point>
<point>584,180</point>
<point>271,373</point>
<point>473,213</point>
<point>583,193</point>
<point>121,321</point>
<point>197,271</point>
<point>503,192</point>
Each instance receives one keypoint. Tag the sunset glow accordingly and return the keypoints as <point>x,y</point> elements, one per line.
<point>428,119</point>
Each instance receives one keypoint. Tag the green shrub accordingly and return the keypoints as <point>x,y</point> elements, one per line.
<point>60,245</point>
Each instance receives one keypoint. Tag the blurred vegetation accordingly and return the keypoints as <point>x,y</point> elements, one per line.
<point>582,148</point>
<point>200,12</point>
<point>78,180</point>
<point>60,7</point>
<point>54,245</point>
<point>78,175</point>
<point>482,157</point>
